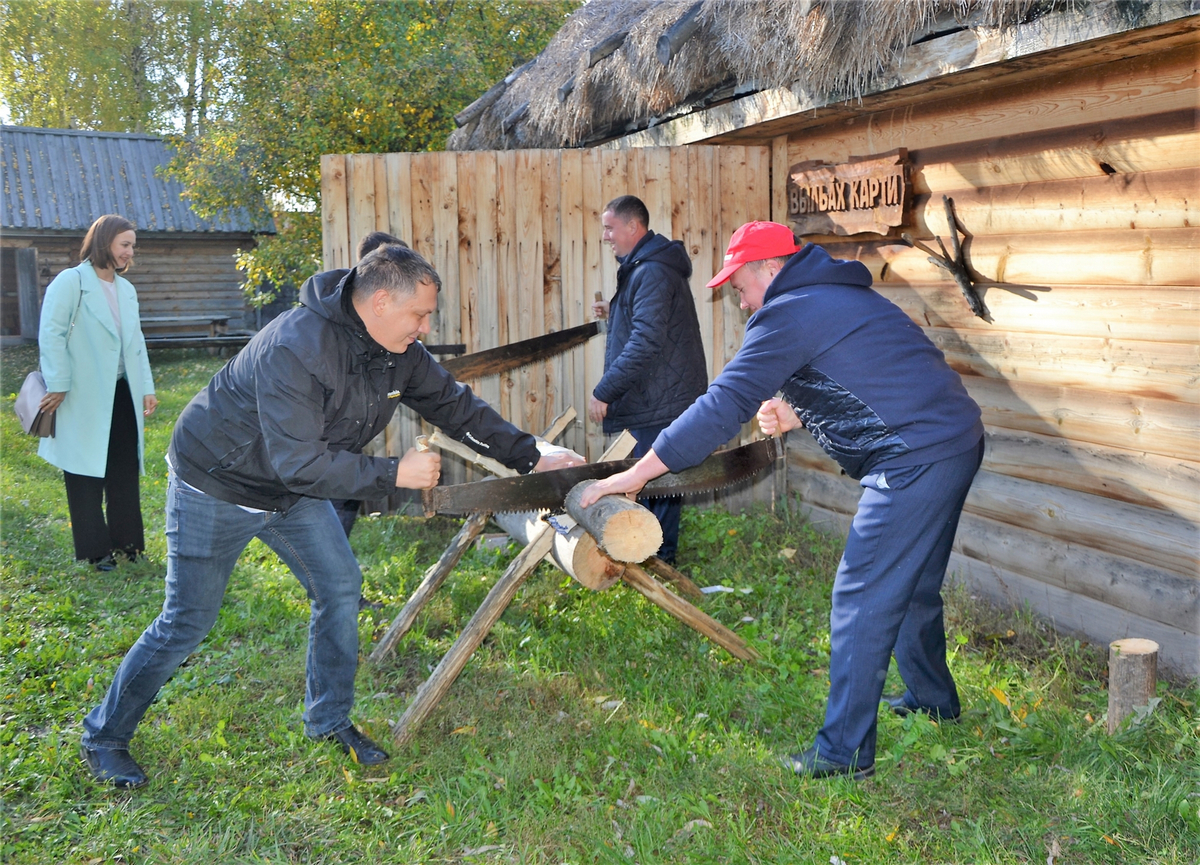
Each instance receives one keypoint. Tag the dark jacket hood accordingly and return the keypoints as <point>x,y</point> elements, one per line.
<point>322,293</point>
<point>813,266</point>
<point>655,247</point>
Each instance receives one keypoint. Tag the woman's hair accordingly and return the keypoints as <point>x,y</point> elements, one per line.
<point>97,243</point>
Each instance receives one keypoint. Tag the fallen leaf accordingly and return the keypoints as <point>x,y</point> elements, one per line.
<point>999,695</point>
<point>477,851</point>
<point>787,553</point>
<point>1111,841</point>
<point>346,772</point>
<point>463,731</point>
<point>449,807</point>
<point>417,796</point>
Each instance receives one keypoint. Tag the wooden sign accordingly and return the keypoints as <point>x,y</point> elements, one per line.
<point>868,194</point>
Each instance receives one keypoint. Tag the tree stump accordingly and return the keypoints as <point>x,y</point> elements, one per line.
<point>1132,678</point>
<point>625,530</point>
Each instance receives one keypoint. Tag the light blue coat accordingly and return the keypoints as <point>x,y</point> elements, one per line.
<point>85,367</point>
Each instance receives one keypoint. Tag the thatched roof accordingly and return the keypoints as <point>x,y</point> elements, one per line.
<point>603,74</point>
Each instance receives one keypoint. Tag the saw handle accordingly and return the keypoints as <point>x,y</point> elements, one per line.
<point>421,443</point>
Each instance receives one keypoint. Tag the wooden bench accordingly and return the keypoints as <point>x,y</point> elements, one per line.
<point>176,326</point>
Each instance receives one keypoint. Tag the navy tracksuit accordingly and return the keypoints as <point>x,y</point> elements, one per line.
<point>880,399</point>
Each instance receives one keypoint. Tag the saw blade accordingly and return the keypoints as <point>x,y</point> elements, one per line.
<point>548,490</point>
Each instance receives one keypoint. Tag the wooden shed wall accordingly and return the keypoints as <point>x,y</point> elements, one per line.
<point>516,238</point>
<point>175,275</point>
<point>1079,192</point>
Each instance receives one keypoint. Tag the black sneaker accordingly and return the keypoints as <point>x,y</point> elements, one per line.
<point>360,748</point>
<point>901,708</point>
<point>808,765</point>
<point>114,766</point>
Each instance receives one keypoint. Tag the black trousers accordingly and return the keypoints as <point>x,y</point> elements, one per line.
<point>123,531</point>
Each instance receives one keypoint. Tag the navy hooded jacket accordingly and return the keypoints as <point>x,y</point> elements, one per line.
<point>865,380</point>
<point>653,356</point>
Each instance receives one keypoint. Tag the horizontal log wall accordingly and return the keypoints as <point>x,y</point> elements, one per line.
<point>516,238</point>
<point>1079,193</point>
<point>174,276</point>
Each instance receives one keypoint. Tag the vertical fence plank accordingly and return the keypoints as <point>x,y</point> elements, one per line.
<point>614,181</point>
<point>594,253</point>
<point>335,221</point>
<point>507,193</point>
<point>778,184</point>
<point>655,187</point>
<point>379,163</point>
<point>529,286</point>
<point>576,303</point>
<point>697,193</point>
<point>487,331</point>
<point>444,214</point>
<point>555,379</point>
<point>468,264</point>
<point>399,181</point>
<point>360,189</point>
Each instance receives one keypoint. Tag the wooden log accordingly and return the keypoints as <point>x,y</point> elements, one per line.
<point>1070,613</point>
<point>1157,145</point>
<point>576,553</point>
<point>435,687</point>
<point>656,593</point>
<point>1165,370</point>
<point>1160,199</point>
<point>677,34</point>
<point>605,48</point>
<point>1132,678</point>
<point>625,530</point>
<point>678,578</point>
<point>1142,257</point>
<point>432,581</point>
<point>1134,422</point>
<point>1162,314</point>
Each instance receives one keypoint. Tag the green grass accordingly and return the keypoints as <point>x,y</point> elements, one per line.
<point>589,727</point>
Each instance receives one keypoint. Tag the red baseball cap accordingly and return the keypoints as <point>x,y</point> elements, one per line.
<point>755,241</point>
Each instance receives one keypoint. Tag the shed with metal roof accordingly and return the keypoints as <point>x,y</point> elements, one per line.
<point>57,182</point>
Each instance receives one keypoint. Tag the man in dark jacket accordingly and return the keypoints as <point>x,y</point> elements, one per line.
<point>653,356</point>
<point>880,399</point>
<point>260,452</point>
<point>326,283</point>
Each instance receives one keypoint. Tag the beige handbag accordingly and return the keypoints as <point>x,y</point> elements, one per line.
<point>33,420</point>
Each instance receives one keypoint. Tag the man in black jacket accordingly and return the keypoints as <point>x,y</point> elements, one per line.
<point>260,452</point>
<point>654,357</point>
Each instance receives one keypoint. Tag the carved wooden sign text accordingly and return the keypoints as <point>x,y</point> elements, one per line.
<point>866,194</point>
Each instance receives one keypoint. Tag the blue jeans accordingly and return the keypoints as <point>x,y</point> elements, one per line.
<point>667,509</point>
<point>205,536</point>
<point>887,598</point>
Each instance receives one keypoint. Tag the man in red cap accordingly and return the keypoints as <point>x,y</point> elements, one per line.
<point>879,398</point>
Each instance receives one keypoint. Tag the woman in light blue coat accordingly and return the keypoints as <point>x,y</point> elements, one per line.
<point>98,380</point>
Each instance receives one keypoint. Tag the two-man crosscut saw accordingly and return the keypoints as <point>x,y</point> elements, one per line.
<point>496,360</point>
<point>548,490</point>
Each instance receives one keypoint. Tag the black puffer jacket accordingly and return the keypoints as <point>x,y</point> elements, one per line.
<point>654,358</point>
<point>289,415</point>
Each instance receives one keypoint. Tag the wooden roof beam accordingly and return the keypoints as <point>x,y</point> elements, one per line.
<point>677,34</point>
<point>607,47</point>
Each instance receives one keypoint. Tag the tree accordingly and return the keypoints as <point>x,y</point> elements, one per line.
<point>252,92</point>
<point>343,77</point>
<point>127,66</point>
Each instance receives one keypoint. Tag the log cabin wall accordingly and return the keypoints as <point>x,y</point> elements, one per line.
<point>516,238</point>
<point>175,275</point>
<point>1079,192</point>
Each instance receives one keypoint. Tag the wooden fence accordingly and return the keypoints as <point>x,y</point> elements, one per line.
<point>515,236</point>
